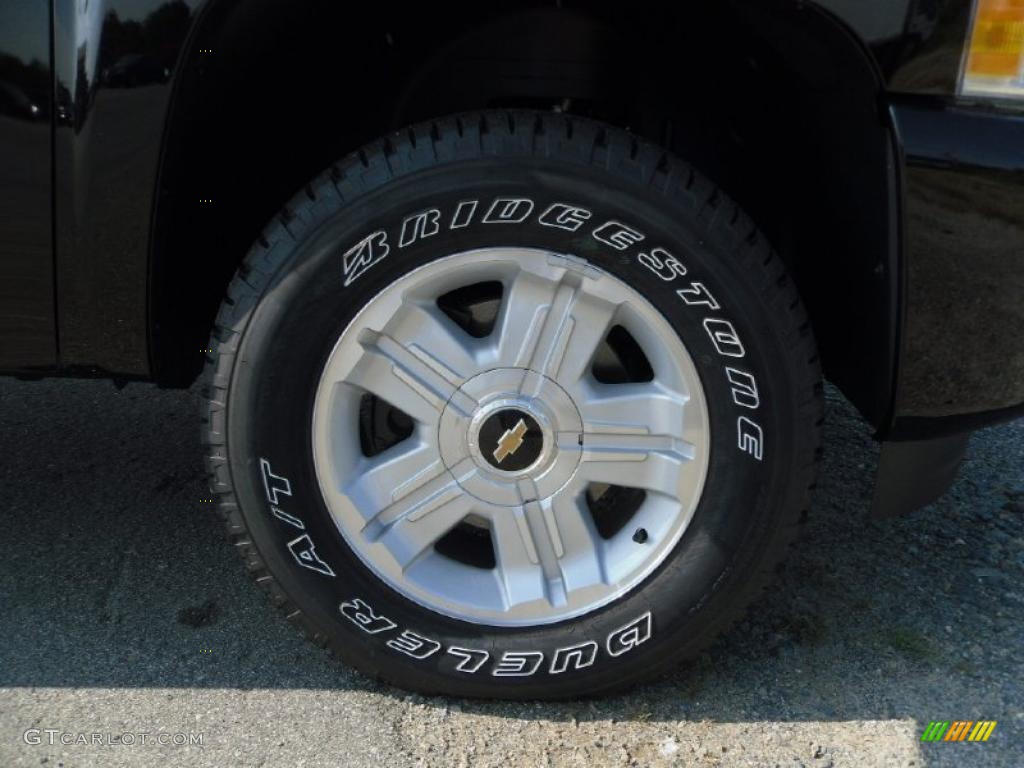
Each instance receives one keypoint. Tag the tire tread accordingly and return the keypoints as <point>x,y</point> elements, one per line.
<point>519,133</point>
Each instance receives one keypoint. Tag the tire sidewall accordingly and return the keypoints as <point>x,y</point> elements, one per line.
<point>305,307</point>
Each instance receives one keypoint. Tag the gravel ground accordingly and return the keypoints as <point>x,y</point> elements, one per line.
<point>123,609</point>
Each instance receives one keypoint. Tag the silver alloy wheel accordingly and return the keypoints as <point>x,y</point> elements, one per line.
<point>526,388</point>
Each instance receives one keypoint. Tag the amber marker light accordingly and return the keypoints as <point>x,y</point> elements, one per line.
<point>994,59</point>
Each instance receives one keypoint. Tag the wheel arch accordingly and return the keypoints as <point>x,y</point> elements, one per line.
<point>778,102</point>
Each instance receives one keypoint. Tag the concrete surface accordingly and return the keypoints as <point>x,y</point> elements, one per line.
<point>123,610</point>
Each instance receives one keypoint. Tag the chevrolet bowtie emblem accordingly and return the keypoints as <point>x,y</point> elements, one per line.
<point>510,441</point>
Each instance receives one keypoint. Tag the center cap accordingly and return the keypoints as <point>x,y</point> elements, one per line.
<point>511,440</point>
<point>510,435</point>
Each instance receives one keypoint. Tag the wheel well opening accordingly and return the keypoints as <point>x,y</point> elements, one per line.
<point>773,101</point>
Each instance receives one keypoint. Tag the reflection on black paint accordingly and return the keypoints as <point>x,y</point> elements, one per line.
<point>135,69</point>
<point>26,236</point>
<point>24,88</point>
<point>964,184</point>
<point>130,53</point>
<point>138,53</point>
<point>114,65</point>
<point>929,59</point>
<point>917,44</point>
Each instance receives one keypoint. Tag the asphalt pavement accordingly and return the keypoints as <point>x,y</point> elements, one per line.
<point>124,611</point>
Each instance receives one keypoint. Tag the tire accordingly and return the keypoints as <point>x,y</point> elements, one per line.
<point>447,201</point>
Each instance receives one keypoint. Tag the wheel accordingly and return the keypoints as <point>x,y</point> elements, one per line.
<point>512,405</point>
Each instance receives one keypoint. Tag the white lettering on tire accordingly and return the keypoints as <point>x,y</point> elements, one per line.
<point>463,214</point>
<point>280,514</point>
<point>471,660</point>
<point>630,636</point>
<point>613,233</point>
<point>274,484</point>
<point>419,226</point>
<point>724,337</point>
<point>363,255</point>
<point>578,656</point>
<point>697,295</point>
<point>744,388</point>
<point>304,551</point>
<point>362,615</point>
<point>662,263</point>
<point>617,235</point>
<point>411,644</point>
<point>751,438</point>
<point>511,663</point>
<point>508,210</point>
<point>518,664</point>
<point>563,216</point>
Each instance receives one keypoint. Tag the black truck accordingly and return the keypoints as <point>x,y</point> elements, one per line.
<point>512,318</point>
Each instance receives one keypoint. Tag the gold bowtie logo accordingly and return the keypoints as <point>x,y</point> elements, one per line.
<point>510,441</point>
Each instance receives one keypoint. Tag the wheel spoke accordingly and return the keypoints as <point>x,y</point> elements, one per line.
<point>553,328</point>
<point>406,377</point>
<point>393,475</point>
<point>418,518</point>
<point>408,538</point>
<point>547,549</point>
<point>635,436</point>
<point>434,338</point>
<point>583,560</point>
<point>616,447</point>
<point>520,572</point>
<point>413,501</point>
<point>523,310</point>
<point>645,407</point>
<point>653,463</point>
